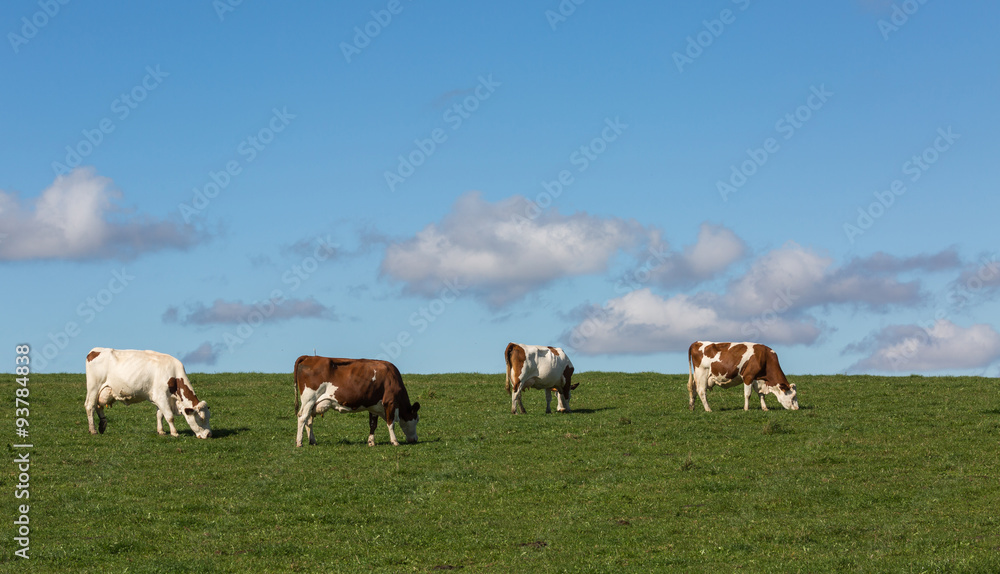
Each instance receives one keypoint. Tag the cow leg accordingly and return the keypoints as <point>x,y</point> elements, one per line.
<point>372,425</point>
<point>515,401</point>
<point>763,405</point>
<point>562,403</point>
<point>165,410</point>
<point>305,419</point>
<point>309,427</point>
<point>548,401</point>
<point>159,422</point>
<point>747,390</point>
<point>704,399</point>
<point>89,405</point>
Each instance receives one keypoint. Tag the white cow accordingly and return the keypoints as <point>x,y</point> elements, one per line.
<point>134,376</point>
<point>531,366</point>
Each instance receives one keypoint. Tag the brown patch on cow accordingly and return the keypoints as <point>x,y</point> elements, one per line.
<point>770,368</point>
<point>715,348</point>
<point>728,362</point>
<point>92,355</point>
<point>515,361</point>
<point>175,385</point>
<point>186,391</point>
<point>695,354</point>
<point>554,350</point>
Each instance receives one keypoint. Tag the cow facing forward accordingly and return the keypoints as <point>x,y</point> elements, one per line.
<point>134,376</point>
<point>533,367</point>
<point>349,386</point>
<point>729,364</point>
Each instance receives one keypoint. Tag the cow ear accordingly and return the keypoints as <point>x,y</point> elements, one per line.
<point>172,385</point>
<point>415,407</point>
<point>571,387</point>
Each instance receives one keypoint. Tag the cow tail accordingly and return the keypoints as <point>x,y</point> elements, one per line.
<point>295,381</point>
<point>690,376</point>
<point>506,356</point>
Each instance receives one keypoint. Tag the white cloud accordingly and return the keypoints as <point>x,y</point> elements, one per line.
<point>502,255</point>
<point>941,346</point>
<point>78,217</point>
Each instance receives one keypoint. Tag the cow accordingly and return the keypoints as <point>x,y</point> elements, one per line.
<point>350,386</point>
<point>134,376</point>
<point>534,367</point>
<point>729,364</point>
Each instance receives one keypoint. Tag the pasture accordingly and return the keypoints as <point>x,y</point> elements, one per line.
<point>872,474</point>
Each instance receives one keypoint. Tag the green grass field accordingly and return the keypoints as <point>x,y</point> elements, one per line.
<point>873,474</point>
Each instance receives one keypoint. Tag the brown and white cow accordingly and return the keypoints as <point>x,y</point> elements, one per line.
<point>135,376</point>
<point>729,364</point>
<point>350,386</point>
<point>534,367</point>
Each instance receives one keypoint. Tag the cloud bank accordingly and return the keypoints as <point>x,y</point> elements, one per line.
<point>502,255</point>
<point>771,302</point>
<point>940,346</point>
<point>79,217</point>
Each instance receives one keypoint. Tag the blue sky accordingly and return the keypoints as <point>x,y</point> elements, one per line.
<point>237,185</point>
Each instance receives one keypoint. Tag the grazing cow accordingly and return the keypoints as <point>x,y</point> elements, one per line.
<point>533,367</point>
<point>349,386</point>
<point>729,364</point>
<point>134,376</point>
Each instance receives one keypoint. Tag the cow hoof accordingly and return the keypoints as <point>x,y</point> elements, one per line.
<point>103,425</point>
<point>161,433</point>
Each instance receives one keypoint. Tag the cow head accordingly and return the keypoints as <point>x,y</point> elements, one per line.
<point>565,391</point>
<point>788,398</point>
<point>409,425</point>
<point>197,418</point>
<point>195,413</point>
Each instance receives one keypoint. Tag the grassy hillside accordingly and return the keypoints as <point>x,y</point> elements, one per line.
<point>872,474</point>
